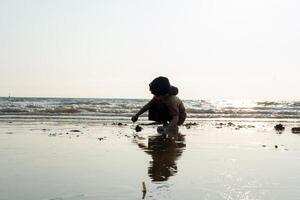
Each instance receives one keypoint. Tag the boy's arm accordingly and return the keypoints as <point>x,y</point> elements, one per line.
<point>174,111</point>
<point>141,111</point>
<point>144,108</point>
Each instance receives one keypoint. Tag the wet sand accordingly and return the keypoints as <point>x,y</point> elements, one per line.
<point>208,160</point>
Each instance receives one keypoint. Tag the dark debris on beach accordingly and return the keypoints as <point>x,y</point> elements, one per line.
<point>295,130</point>
<point>118,124</point>
<point>190,124</point>
<point>279,127</point>
<point>75,131</point>
<point>101,138</point>
<point>230,124</point>
<point>138,128</point>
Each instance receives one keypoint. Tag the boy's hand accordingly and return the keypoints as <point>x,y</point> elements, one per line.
<point>134,118</point>
<point>161,129</point>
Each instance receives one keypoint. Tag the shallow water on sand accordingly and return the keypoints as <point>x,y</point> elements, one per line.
<point>80,160</point>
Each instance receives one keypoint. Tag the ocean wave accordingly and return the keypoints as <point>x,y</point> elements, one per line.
<point>128,107</point>
<point>61,110</point>
<point>296,104</point>
<point>269,103</point>
<point>195,110</point>
<point>13,110</point>
<point>86,103</point>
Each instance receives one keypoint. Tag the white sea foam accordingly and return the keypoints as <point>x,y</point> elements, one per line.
<point>127,107</point>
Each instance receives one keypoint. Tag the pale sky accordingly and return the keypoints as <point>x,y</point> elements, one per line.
<point>210,49</point>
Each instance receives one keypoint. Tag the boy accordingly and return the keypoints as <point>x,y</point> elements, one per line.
<point>165,107</point>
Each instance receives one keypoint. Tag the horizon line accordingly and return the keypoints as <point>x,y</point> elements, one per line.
<point>139,98</point>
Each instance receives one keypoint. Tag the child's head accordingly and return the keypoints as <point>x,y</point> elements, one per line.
<point>161,86</point>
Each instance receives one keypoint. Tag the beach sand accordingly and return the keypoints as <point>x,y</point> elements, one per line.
<point>57,160</point>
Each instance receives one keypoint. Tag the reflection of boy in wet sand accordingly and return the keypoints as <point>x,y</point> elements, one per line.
<point>165,107</point>
<point>164,151</point>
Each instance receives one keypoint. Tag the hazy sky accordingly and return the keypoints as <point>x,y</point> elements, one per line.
<point>233,49</point>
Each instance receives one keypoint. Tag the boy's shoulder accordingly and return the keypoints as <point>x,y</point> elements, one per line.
<point>173,99</point>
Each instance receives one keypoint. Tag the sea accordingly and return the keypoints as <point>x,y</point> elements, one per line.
<point>109,109</point>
